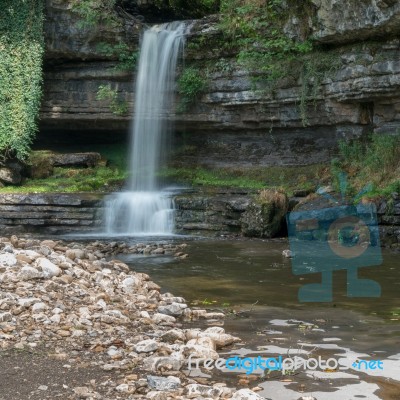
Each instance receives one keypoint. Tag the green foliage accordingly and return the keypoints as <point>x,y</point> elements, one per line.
<point>117,106</point>
<point>127,59</point>
<point>374,161</point>
<point>191,84</point>
<point>95,12</point>
<point>21,53</point>
<point>316,67</point>
<point>256,29</point>
<point>256,26</point>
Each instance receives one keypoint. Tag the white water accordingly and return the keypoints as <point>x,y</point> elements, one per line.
<point>143,208</point>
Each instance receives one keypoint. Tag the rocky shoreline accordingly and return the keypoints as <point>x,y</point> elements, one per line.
<point>78,308</point>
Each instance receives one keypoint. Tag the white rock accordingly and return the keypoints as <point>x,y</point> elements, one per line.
<point>194,390</point>
<point>123,388</point>
<point>39,307</point>
<point>163,384</point>
<point>198,351</point>
<point>146,346</point>
<point>27,301</point>
<point>287,253</point>
<point>27,273</point>
<point>29,253</point>
<point>7,260</point>
<point>49,269</point>
<point>246,394</point>
<point>153,395</point>
<point>171,363</point>
<point>174,309</point>
<point>8,249</point>
<point>173,335</point>
<point>144,314</point>
<point>56,318</point>
<point>130,284</point>
<point>163,318</point>
<point>5,317</point>
<point>203,341</point>
<point>217,334</point>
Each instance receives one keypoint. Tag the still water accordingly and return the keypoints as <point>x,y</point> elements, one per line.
<point>254,285</point>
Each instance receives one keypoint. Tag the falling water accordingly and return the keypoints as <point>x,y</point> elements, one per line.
<point>144,208</point>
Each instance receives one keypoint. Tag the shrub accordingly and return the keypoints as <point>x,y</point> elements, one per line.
<point>191,84</point>
<point>21,52</point>
<point>375,161</point>
<point>94,12</point>
<point>116,105</point>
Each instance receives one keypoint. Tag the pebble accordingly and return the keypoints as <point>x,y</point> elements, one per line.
<point>89,309</point>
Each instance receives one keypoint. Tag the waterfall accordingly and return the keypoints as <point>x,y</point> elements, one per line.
<point>144,208</point>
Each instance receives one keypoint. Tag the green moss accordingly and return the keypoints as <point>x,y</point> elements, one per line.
<point>100,179</point>
<point>287,178</point>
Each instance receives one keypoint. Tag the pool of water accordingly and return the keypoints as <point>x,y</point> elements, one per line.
<point>255,286</point>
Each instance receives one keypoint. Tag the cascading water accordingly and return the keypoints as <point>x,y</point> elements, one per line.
<point>144,208</point>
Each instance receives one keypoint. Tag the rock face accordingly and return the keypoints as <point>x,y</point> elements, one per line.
<point>232,123</point>
<point>75,67</point>
<point>57,213</point>
<point>227,212</point>
<point>265,216</point>
<point>342,21</point>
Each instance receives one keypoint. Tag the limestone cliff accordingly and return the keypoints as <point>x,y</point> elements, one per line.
<point>234,122</point>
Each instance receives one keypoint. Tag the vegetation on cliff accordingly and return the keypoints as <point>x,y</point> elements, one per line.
<point>21,52</point>
<point>102,11</point>
<point>374,162</point>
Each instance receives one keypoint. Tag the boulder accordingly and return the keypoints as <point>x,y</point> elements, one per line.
<point>265,215</point>
<point>10,176</point>
<point>40,164</point>
<point>174,309</point>
<point>146,346</point>
<point>88,160</point>
<point>48,268</point>
<point>7,260</point>
<point>26,273</point>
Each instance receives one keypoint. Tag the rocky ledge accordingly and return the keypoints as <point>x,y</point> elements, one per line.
<point>77,307</point>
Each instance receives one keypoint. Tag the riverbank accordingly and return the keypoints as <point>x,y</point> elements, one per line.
<point>75,325</point>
